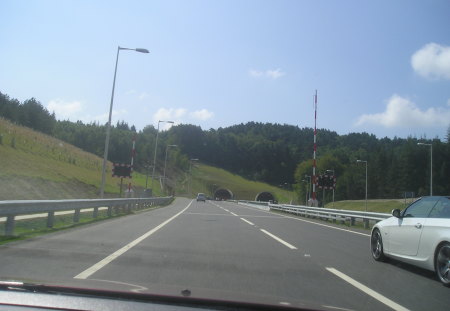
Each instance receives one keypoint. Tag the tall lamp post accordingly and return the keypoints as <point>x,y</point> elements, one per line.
<point>148,166</point>
<point>363,161</point>
<point>309,187</point>
<point>332,171</point>
<point>165,164</point>
<point>108,125</point>
<point>307,191</point>
<point>190,175</point>
<point>156,147</point>
<point>431,165</point>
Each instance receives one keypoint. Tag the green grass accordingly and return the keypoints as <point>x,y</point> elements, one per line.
<point>38,166</point>
<point>377,206</point>
<point>28,228</point>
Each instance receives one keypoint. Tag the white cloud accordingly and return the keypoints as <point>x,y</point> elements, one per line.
<point>63,109</point>
<point>275,74</point>
<point>271,74</point>
<point>143,96</point>
<point>75,110</point>
<point>179,115</point>
<point>403,113</point>
<point>255,73</point>
<point>202,114</point>
<point>169,114</point>
<point>116,115</point>
<point>432,61</point>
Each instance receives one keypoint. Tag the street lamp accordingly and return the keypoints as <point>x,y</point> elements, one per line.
<point>363,161</point>
<point>307,191</point>
<point>332,171</point>
<point>165,164</point>
<point>309,187</point>
<point>190,175</point>
<point>148,166</point>
<point>156,147</point>
<point>431,165</point>
<point>108,125</point>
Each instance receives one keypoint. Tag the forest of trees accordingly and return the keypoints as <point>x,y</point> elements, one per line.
<point>273,153</point>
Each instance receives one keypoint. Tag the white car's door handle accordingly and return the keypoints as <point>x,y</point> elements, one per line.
<point>418,226</point>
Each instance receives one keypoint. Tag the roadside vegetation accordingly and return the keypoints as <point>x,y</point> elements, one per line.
<point>376,206</point>
<point>274,154</point>
<point>38,166</point>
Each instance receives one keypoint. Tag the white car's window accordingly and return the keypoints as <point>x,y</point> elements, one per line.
<point>421,208</point>
<point>441,209</point>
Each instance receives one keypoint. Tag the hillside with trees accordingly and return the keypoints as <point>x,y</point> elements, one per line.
<point>278,154</point>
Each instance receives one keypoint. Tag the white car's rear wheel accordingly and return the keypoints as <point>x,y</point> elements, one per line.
<point>376,246</point>
<point>442,263</point>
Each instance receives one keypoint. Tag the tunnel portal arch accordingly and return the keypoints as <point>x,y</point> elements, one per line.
<point>265,196</point>
<point>223,194</point>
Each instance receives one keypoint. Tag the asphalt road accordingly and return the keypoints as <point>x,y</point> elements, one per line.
<point>226,251</point>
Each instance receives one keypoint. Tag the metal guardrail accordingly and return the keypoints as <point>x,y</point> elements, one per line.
<point>327,213</point>
<point>11,209</point>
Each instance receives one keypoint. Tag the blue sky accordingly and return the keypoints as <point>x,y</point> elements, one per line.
<point>381,67</point>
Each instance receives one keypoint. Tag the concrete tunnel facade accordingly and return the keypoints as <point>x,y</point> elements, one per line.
<point>265,196</point>
<point>223,194</point>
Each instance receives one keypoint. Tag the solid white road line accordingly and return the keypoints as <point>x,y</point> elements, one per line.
<point>368,291</point>
<point>88,272</point>
<point>250,223</point>
<point>278,239</point>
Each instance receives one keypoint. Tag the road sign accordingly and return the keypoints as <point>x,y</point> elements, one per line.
<point>121,170</point>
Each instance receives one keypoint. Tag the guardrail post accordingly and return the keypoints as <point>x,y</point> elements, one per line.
<point>50,219</point>
<point>76,215</point>
<point>366,223</point>
<point>109,211</point>
<point>95,214</point>
<point>352,221</point>
<point>10,223</point>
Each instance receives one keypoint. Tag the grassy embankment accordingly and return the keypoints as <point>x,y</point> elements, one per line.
<point>37,166</point>
<point>377,206</point>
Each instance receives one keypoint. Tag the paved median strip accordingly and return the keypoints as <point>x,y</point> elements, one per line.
<point>88,272</point>
<point>368,291</point>
<point>278,239</point>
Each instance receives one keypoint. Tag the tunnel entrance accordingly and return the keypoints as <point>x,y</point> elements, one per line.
<point>223,194</point>
<point>265,197</point>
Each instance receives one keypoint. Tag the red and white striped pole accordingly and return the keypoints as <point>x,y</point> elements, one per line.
<point>314,201</point>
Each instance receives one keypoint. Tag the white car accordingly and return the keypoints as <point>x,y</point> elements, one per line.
<point>201,197</point>
<point>418,235</point>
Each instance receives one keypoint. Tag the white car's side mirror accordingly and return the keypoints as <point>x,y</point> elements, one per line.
<point>396,213</point>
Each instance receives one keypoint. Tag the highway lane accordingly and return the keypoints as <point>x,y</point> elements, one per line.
<point>226,251</point>
<point>348,252</point>
<point>59,256</point>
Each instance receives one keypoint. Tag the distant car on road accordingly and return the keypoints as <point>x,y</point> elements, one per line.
<point>201,197</point>
<point>418,235</point>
